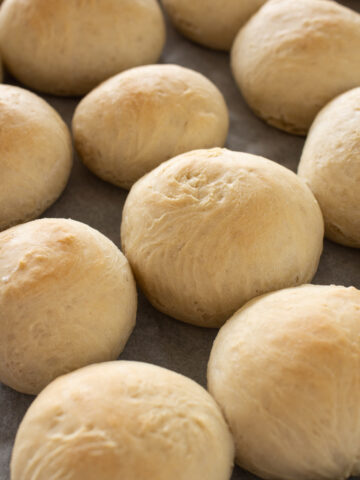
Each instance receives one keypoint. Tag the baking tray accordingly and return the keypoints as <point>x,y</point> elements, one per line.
<point>157,338</point>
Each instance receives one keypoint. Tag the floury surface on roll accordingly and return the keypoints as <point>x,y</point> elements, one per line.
<point>123,421</point>
<point>212,23</point>
<point>285,369</point>
<point>68,47</point>
<point>330,164</point>
<point>293,57</point>
<point>35,155</point>
<point>67,299</point>
<point>136,120</point>
<point>210,229</point>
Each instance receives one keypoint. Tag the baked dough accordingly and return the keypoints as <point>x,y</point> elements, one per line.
<point>67,299</point>
<point>330,164</point>
<point>212,23</point>
<point>68,47</point>
<point>285,370</point>
<point>123,420</point>
<point>35,155</point>
<point>144,116</point>
<point>210,229</point>
<point>293,57</point>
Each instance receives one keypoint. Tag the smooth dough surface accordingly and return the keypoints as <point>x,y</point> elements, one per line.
<point>35,155</point>
<point>212,23</point>
<point>330,164</point>
<point>210,229</point>
<point>136,120</point>
<point>123,420</point>
<point>285,370</point>
<point>67,47</point>
<point>293,57</point>
<point>67,299</point>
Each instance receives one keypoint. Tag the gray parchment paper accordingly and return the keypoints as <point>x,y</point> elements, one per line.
<point>157,338</point>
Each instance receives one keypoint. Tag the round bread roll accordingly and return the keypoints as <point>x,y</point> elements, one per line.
<point>67,299</point>
<point>210,229</point>
<point>69,47</point>
<point>35,155</point>
<point>123,420</point>
<point>144,116</point>
<point>330,165</point>
<point>293,57</point>
<point>213,23</point>
<point>285,370</point>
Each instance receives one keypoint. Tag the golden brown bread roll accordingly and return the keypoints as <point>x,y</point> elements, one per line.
<point>123,420</point>
<point>331,167</point>
<point>35,155</point>
<point>67,299</point>
<point>136,120</point>
<point>210,229</point>
<point>285,370</point>
<point>69,47</point>
<point>293,57</point>
<point>212,23</point>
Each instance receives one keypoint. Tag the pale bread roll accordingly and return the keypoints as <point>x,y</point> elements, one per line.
<point>285,370</point>
<point>212,23</point>
<point>330,164</point>
<point>293,57</point>
<point>136,120</point>
<point>35,155</point>
<point>68,47</point>
<point>67,299</point>
<point>123,420</point>
<point>210,229</point>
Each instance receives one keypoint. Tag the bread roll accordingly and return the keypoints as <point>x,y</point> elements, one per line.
<point>69,47</point>
<point>144,116</point>
<point>212,23</point>
<point>67,299</point>
<point>293,57</point>
<point>210,229</point>
<point>123,420</point>
<point>35,155</point>
<point>330,165</point>
<point>285,370</point>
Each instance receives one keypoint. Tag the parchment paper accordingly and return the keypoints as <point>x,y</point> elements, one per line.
<point>157,338</point>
